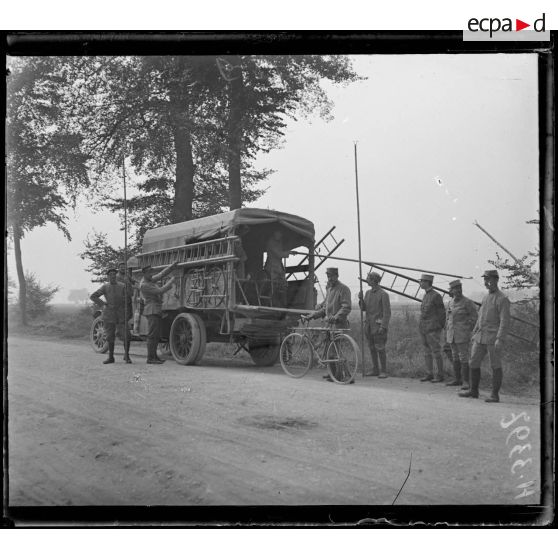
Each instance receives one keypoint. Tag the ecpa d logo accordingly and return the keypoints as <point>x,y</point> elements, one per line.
<point>496,27</point>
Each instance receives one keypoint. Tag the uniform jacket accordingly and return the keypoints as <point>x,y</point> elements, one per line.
<point>152,295</point>
<point>432,312</point>
<point>378,310</point>
<point>493,320</point>
<point>113,311</point>
<point>461,316</point>
<point>337,303</point>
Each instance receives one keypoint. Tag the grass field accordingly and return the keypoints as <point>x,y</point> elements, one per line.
<point>404,350</point>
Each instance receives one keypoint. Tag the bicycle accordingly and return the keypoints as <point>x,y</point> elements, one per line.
<point>300,350</point>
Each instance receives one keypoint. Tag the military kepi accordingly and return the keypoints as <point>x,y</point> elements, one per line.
<point>332,271</point>
<point>427,277</point>
<point>111,269</point>
<point>456,283</point>
<point>491,273</point>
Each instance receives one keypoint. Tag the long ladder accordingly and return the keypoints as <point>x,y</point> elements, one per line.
<point>409,287</point>
<point>324,248</point>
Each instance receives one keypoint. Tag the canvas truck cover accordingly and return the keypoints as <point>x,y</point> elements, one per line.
<point>215,226</point>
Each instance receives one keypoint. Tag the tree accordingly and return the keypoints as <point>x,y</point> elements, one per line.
<point>45,166</point>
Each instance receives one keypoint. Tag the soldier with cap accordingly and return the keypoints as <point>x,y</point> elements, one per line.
<point>489,336</point>
<point>461,315</point>
<point>431,323</point>
<point>113,312</point>
<point>377,307</point>
<point>336,306</point>
<point>152,295</point>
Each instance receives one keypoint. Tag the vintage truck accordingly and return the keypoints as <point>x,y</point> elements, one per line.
<point>223,293</point>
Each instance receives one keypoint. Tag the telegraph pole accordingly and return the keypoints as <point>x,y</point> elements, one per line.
<point>359,263</point>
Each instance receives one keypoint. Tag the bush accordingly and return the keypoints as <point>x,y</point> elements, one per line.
<point>38,296</point>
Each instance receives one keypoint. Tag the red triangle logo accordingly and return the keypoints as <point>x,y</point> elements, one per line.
<point>519,25</point>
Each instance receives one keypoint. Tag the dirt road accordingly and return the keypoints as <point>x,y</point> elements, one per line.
<point>222,433</point>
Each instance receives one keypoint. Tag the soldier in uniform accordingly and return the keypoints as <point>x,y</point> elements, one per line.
<point>378,313</point>
<point>337,304</point>
<point>461,315</point>
<point>431,323</point>
<point>153,309</point>
<point>130,284</point>
<point>113,313</point>
<point>489,336</point>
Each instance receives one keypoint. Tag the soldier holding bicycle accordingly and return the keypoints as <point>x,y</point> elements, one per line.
<point>337,304</point>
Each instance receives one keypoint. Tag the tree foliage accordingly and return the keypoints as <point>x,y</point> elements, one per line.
<point>38,296</point>
<point>45,166</point>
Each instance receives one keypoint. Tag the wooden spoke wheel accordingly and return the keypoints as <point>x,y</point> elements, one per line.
<point>264,352</point>
<point>194,287</point>
<point>98,335</point>
<point>187,338</point>
<point>215,288</point>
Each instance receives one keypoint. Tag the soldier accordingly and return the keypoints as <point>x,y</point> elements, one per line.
<point>378,313</point>
<point>432,321</point>
<point>153,309</point>
<point>337,304</point>
<point>130,284</point>
<point>113,313</point>
<point>489,336</point>
<point>461,315</point>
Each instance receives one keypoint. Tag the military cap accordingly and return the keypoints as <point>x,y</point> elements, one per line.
<point>146,268</point>
<point>373,276</point>
<point>456,283</point>
<point>427,277</point>
<point>332,271</point>
<point>491,273</point>
<point>111,269</point>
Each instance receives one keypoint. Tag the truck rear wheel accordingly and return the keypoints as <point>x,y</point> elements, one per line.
<point>187,338</point>
<point>264,353</point>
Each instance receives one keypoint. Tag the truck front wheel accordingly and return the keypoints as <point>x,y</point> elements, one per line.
<point>187,338</point>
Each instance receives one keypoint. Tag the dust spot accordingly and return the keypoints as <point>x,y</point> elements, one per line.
<point>270,422</point>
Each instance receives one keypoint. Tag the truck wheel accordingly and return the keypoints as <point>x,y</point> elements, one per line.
<point>264,353</point>
<point>187,338</point>
<point>98,336</point>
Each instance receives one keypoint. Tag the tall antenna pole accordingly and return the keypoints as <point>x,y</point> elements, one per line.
<point>125,253</point>
<point>359,263</point>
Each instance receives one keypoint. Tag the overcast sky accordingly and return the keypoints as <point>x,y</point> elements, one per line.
<point>443,140</point>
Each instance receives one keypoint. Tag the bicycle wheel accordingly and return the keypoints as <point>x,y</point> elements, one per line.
<point>296,355</point>
<point>344,351</point>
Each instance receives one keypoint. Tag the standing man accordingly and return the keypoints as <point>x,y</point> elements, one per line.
<point>153,309</point>
<point>461,315</point>
<point>378,313</point>
<point>489,336</point>
<point>113,312</point>
<point>336,306</point>
<point>431,323</point>
<point>130,285</point>
<point>337,303</point>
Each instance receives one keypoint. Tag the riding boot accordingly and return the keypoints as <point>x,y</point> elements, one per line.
<point>375,365</point>
<point>475,381</point>
<point>428,360</point>
<point>465,374</point>
<point>127,359</point>
<point>383,364</point>
<point>439,376</point>
<point>457,370</point>
<point>496,385</point>
<point>110,358</point>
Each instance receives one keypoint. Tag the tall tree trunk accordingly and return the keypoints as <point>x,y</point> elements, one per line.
<point>184,181</point>
<point>20,274</point>
<point>236,86</point>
